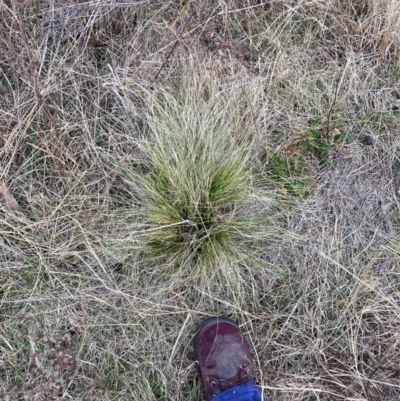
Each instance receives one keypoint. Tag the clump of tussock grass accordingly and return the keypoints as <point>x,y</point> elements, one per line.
<point>196,195</point>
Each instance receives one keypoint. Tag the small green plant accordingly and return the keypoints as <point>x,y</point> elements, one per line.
<point>289,172</point>
<point>291,169</point>
<point>314,143</point>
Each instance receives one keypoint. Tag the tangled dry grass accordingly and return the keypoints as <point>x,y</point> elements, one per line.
<point>310,89</point>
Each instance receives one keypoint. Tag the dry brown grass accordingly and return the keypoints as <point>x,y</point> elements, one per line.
<point>83,316</point>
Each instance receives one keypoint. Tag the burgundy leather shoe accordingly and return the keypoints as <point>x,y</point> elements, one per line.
<point>222,354</point>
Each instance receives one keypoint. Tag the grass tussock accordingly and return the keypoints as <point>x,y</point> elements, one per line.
<point>162,162</point>
<point>195,193</point>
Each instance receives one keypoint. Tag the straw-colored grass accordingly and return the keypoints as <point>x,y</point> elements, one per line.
<point>163,162</point>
